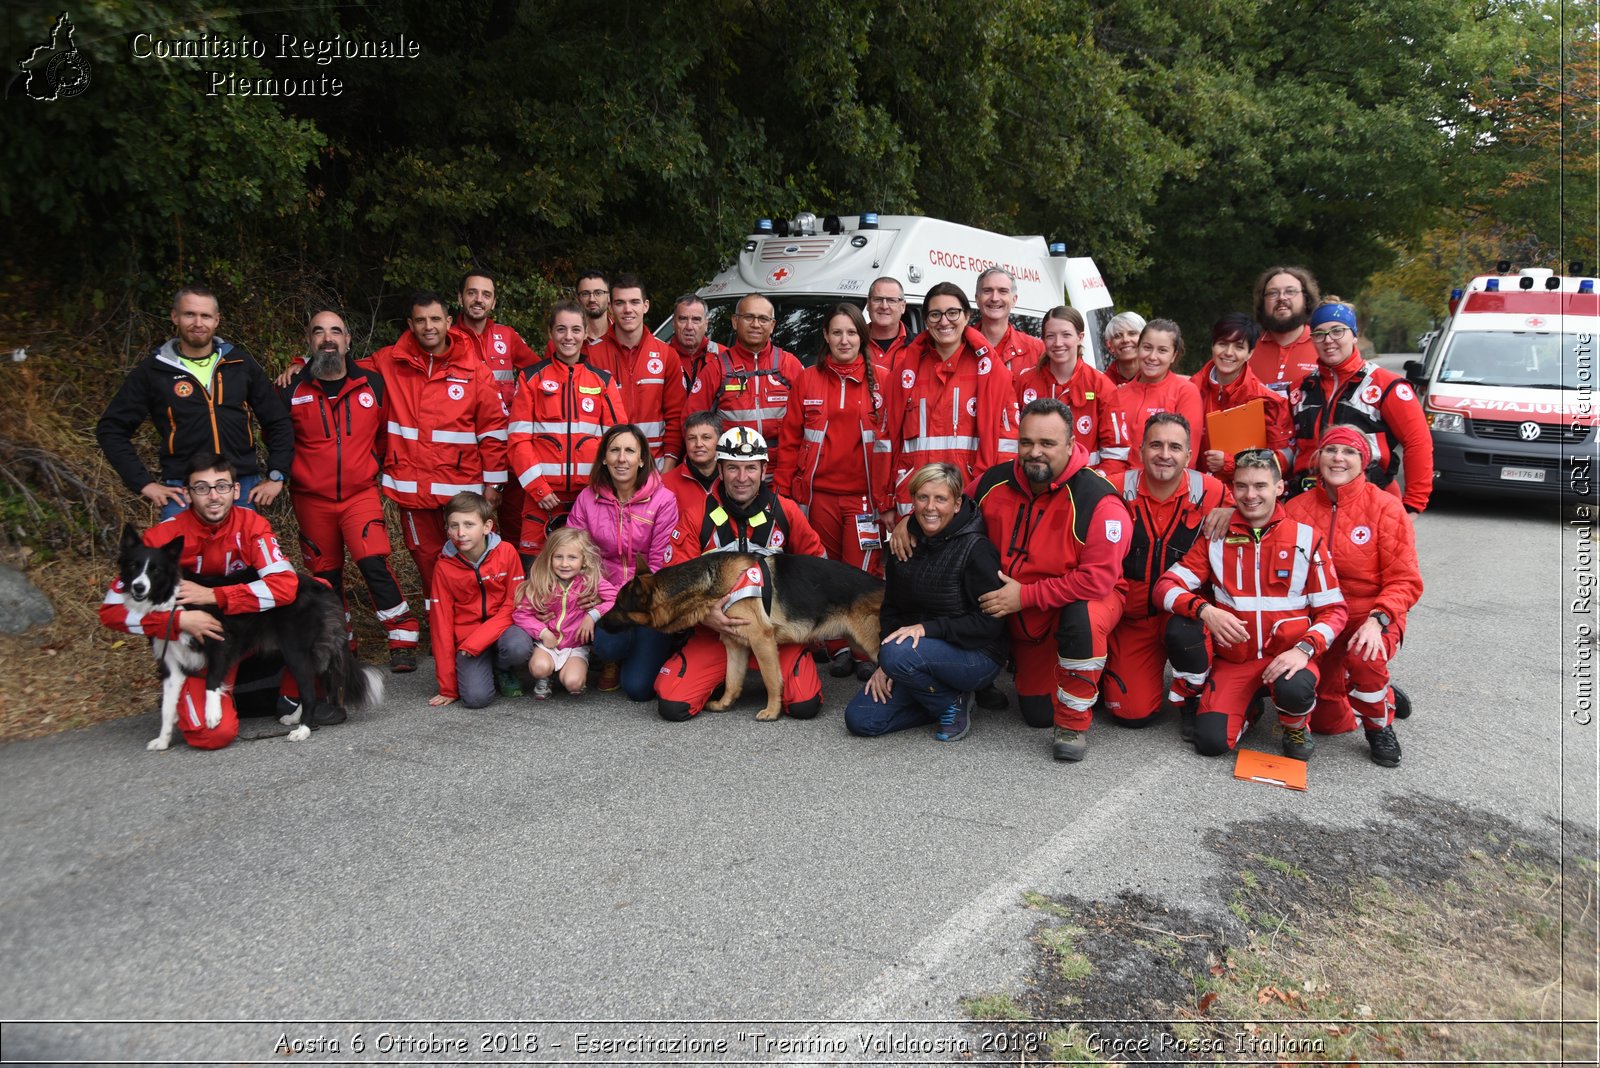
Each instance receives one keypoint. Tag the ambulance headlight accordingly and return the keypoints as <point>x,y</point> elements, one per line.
<point>1447,422</point>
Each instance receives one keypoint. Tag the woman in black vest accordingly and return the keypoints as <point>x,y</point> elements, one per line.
<point>938,645</point>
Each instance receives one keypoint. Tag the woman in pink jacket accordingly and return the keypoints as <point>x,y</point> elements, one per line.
<point>630,515</point>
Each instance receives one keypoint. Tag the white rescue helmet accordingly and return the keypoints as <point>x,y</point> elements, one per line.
<point>741,443</point>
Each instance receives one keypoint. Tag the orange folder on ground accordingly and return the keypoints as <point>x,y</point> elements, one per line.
<point>1235,429</point>
<point>1252,766</point>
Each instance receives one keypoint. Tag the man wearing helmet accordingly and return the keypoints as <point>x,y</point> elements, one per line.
<point>741,514</point>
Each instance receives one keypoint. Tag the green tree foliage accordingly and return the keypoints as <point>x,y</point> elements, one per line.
<point>1184,146</point>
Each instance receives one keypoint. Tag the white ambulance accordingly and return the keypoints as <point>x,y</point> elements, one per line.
<point>805,272</point>
<point>1509,387</point>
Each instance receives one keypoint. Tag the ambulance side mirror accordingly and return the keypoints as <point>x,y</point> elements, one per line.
<point>1414,373</point>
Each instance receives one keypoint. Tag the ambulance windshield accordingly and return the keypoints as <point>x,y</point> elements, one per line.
<point>1523,359</point>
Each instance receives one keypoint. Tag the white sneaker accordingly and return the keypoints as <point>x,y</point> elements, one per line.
<point>541,689</point>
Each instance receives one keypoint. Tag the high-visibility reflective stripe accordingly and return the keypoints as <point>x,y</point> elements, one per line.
<point>1371,697</point>
<point>447,489</point>
<point>409,636</point>
<point>651,430</point>
<point>1185,576</point>
<point>1197,485</point>
<point>816,437</point>
<point>1094,664</point>
<point>408,432</point>
<point>561,429</point>
<point>946,441</point>
<point>1302,559</point>
<point>553,469</point>
<point>399,485</point>
<point>504,376</point>
<point>275,568</point>
<point>1326,631</point>
<point>1119,452</point>
<point>519,427</point>
<point>1006,445</point>
<point>1327,597</point>
<point>497,476</point>
<point>498,435</point>
<point>1094,458</point>
<point>1170,599</point>
<point>1197,678</point>
<point>760,413</point>
<point>651,381</point>
<point>883,445</point>
<point>1077,704</point>
<point>263,594</point>
<point>1260,604</point>
<point>400,609</point>
<point>454,437</point>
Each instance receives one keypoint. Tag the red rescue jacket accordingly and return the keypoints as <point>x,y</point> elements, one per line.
<point>1216,397</point>
<point>338,440</point>
<point>472,605</point>
<point>1018,351</point>
<point>502,350</point>
<point>557,418</point>
<point>748,389</point>
<point>1278,581</point>
<point>1162,532</point>
<point>446,425</point>
<point>962,410</point>
<point>1086,391</point>
<point>1373,546</point>
<point>650,376</point>
<point>831,440</point>
<point>1125,414</point>
<point>243,540</point>
<point>1063,545</point>
<point>1380,404</point>
<point>1281,367</point>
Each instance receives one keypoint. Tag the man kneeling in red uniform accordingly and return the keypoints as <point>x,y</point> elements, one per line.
<point>1275,607</point>
<point>740,515</point>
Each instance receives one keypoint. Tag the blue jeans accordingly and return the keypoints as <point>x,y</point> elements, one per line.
<point>641,652</point>
<point>246,484</point>
<point>927,680</point>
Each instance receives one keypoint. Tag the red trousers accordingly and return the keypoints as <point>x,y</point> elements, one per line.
<point>1352,688</point>
<point>833,517</point>
<point>1067,666</point>
<point>422,529</point>
<point>328,529</point>
<point>690,675</point>
<point>1233,689</point>
<point>1136,660</point>
<point>192,715</point>
<point>513,502</point>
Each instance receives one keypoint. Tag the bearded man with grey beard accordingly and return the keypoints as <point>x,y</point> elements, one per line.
<point>337,408</point>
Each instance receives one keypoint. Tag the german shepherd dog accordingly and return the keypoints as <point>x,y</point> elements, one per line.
<point>786,598</point>
<point>309,632</point>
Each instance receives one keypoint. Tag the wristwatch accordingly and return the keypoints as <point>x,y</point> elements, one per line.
<point>1383,618</point>
<point>274,475</point>
<point>1307,648</point>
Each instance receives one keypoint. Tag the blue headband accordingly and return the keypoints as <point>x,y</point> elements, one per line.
<point>1334,313</point>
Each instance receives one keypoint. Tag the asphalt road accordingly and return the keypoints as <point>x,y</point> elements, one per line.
<point>581,860</point>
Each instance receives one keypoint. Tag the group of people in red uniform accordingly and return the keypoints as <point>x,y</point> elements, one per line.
<point>1125,541</point>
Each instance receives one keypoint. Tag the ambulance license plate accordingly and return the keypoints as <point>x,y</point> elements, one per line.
<point>1522,474</point>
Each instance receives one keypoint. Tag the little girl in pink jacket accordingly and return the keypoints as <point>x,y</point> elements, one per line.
<point>566,592</point>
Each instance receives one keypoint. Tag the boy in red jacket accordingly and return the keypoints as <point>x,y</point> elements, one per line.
<point>472,587</point>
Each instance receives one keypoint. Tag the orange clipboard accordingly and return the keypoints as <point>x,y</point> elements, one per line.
<point>1233,430</point>
<point>1287,772</point>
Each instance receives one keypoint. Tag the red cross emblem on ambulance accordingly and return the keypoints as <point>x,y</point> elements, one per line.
<point>1535,321</point>
<point>779,276</point>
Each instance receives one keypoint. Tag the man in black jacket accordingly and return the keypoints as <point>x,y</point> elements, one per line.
<point>200,392</point>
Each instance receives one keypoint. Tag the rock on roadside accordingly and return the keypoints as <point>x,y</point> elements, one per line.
<point>21,604</point>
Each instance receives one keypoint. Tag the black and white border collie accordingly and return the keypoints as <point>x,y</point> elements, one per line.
<point>309,632</point>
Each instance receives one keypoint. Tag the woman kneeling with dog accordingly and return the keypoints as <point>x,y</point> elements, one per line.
<point>928,670</point>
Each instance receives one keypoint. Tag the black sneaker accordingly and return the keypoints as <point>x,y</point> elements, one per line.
<point>1402,704</point>
<point>1298,743</point>
<point>864,670</point>
<point>402,660</point>
<point>1385,747</point>
<point>1186,713</point>
<point>991,698</point>
<point>843,666</point>
<point>956,721</point>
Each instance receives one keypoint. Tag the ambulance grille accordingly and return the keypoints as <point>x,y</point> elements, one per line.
<point>1500,430</point>
<point>803,248</point>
